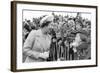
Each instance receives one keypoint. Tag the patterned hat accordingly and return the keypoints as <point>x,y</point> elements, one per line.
<point>45,19</point>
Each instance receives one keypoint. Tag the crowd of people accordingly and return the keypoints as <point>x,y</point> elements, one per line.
<point>70,36</point>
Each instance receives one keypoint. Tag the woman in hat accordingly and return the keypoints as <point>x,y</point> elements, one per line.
<point>37,44</point>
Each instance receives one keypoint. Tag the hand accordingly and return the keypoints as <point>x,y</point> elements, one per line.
<point>44,55</point>
<point>75,50</point>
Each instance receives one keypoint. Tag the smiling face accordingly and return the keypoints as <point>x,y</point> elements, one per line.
<point>58,35</point>
<point>78,26</point>
<point>77,38</point>
<point>47,28</point>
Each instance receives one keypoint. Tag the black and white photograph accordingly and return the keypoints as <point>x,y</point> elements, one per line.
<point>54,36</point>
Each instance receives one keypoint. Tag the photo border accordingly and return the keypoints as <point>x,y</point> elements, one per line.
<point>14,35</point>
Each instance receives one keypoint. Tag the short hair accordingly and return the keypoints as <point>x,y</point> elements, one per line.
<point>44,24</point>
<point>79,21</point>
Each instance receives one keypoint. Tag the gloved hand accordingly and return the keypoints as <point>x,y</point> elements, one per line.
<point>44,55</point>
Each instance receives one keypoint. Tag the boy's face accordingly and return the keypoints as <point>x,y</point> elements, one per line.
<point>77,38</point>
<point>78,26</point>
<point>58,35</point>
